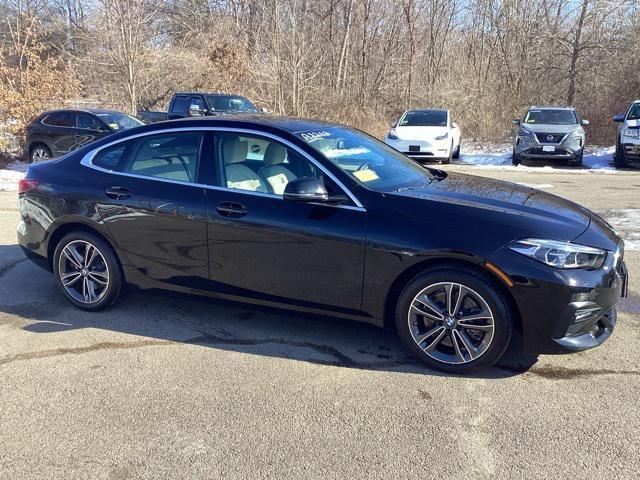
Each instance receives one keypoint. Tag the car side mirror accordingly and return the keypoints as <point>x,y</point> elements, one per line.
<point>306,189</point>
<point>264,110</point>
<point>394,124</point>
<point>584,122</point>
<point>454,125</point>
<point>618,118</point>
<point>195,111</point>
<point>516,121</point>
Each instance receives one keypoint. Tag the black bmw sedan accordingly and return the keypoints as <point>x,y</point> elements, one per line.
<point>323,218</point>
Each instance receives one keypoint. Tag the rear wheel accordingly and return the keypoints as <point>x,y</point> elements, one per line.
<point>87,271</point>
<point>39,152</point>
<point>454,320</point>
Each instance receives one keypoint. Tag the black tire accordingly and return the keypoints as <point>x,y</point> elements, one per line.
<point>108,262</point>
<point>619,159</point>
<point>577,162</point>
<point>456,154</point>
<point>37,147</point>
<point>479,284</point>
<point>515,159</point>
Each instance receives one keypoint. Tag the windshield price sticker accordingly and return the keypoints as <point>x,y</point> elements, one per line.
<point>311,136</point>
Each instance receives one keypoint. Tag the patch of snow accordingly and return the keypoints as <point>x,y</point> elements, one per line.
<point>10,176</point>
<point>596,159</point>
<point>626,222</point>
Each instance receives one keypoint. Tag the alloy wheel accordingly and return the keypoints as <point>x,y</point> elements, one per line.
<point>83,272</point>
<point>39,154</point>
<point>451,323</point>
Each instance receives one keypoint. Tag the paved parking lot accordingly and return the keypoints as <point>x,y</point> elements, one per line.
<point>163,386</point>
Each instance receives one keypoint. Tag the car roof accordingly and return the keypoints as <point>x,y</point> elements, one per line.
<point>427,110</point>
<point>219,94</point>
<point>551,108</point>
<point>95,111</point>
<point>288,124</point>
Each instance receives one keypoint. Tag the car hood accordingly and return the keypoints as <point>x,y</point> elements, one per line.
<point>502,208</point>
<point>420,133</point>
<point>542,128</point>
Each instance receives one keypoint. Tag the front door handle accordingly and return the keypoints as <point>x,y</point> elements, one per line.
<point>118,193</point>
<point>231,209</point>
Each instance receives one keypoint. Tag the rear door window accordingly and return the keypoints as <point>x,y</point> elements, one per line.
<point>60,119</point>
<point>172,156</point>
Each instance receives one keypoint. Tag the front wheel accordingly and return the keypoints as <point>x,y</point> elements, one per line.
<point>87,271</point>
<point>577,162</point>
<point>618,159</point>
<point>454,320</point>
<point>456,153</point>
<point>515,159</point>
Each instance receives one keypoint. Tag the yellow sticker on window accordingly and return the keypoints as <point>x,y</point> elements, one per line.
<point>366,175</point>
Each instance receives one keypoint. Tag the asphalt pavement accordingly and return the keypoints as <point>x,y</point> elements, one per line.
<point>168,386</point>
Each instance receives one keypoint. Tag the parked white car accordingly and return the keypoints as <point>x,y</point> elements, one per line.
<point>425,134</point>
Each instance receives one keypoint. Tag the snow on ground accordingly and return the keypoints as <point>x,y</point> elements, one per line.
<point>626,222</point>
<point>10,175</point>
<point>596,159</point>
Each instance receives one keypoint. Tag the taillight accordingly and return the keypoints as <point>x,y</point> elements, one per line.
<point>26,185</point>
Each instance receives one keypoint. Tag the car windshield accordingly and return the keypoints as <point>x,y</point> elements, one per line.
<point>551,117</point>
<point>119,121</point>
<point>424,118</point>
<point>368,161</point>
<point>230,103</point>
<point>634,112</point>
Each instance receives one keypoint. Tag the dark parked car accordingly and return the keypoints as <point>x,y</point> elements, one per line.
<point>58,132</point>
<point>196,104</point>
<point>323,218</point>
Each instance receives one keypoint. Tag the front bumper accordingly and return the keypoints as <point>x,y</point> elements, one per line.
<point>422,149</point>
<point>563,311</point>
<point>560,152</point>
<point>631,150</point>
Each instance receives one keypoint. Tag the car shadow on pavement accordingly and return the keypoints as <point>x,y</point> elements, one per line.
<point>30,299</point>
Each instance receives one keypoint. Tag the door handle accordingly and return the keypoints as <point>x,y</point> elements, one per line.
<point>231,209</point>
<point>118,193</point>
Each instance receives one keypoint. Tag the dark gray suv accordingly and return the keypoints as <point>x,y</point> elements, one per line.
<point>549,133</point>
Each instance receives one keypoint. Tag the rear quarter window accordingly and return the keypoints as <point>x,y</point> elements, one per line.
<point>110,157</point>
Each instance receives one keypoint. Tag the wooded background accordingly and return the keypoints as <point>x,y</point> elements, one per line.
<point>360,62</point>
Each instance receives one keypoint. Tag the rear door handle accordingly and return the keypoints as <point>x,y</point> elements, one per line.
<point>231,209</point>
<point>118,193</point>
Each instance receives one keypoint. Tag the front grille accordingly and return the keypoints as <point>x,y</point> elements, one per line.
<point>550,137</point>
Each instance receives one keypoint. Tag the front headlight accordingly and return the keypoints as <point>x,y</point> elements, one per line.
<point>444,136</point>
<point>524,137</point>
<point>574,139</point>
<point>631,132</point>
<point>560,254</point>
<point>392,135</point>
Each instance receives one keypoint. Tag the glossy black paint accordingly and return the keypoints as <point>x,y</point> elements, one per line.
<point>324,258</point>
